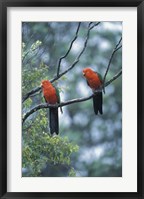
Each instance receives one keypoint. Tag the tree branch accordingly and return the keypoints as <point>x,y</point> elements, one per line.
<point>114,78</point>
<point>31,93</point>
<point>64,56</point>
<point>70,67</point>
<point>110,60</point>
<point>40,106</point>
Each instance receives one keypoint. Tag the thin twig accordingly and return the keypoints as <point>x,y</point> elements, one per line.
<point>35,94</point>
<point>71,43</point>
<point>114,78</point>
<point>31,93</point>
<point>110,60</point>
<point>40,106</point>
<point>94,25</point>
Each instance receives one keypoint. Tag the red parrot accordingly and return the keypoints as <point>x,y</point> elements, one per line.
<point>94,81</point>
<point>51,95</point>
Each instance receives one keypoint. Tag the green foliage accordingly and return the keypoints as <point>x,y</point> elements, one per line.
<point>72,173</point>
<point>40,148</point>
<point>32,74</point>
<point>28,103</point>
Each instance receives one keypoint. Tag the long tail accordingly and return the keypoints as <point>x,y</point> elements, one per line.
<point>98,102</point>
<point>53,121</point>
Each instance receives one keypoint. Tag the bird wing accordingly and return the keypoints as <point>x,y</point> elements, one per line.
<point>45,99</point>
<point>100,76</point>
<point>87,83</point>
<point>58,96</point>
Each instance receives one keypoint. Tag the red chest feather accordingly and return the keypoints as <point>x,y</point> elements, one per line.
<point>50,95</point>
<point>94,81</point>
<point>49,92</point>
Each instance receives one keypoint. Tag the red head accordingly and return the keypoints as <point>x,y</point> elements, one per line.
<point>88,72</point>
<point>45,83</point>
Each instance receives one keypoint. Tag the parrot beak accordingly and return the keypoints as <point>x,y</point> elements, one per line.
<point>83,74</point>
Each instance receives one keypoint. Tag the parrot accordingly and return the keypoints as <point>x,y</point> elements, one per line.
<point>94,81</point>
<point>51,95</point>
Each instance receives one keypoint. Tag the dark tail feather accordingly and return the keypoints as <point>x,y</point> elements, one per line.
<point>97,103</point>
<point>53,121</point>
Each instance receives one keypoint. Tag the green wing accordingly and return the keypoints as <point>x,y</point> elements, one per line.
<point>58,95</point>
<point>87,83</point>
<point>100,76</point>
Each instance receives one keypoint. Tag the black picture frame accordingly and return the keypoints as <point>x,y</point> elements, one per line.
<point>4,4</point>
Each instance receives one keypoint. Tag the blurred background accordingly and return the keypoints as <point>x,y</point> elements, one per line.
<point>93,142</point>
